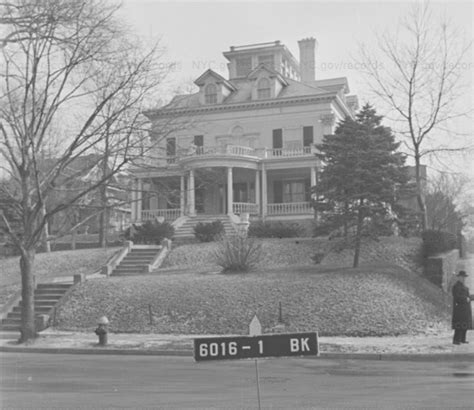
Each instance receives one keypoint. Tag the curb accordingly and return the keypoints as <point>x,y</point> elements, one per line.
<point>418,357</point>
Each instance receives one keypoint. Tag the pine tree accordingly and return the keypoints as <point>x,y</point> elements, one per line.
<point>362,170</point>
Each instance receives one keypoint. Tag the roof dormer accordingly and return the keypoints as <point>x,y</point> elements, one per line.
<point>266,83</point>
<point>213,88</point>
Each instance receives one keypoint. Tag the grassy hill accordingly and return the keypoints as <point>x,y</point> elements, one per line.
<point>380,300</point>
<point>51,265</point>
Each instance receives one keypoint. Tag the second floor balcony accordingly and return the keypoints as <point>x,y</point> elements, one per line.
<point>231,150</point>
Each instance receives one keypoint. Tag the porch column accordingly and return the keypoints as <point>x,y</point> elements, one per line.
<point>264,191</point>
<point>139,199</point>
<point>181,195</point>
<point>191,202</point>
<point>230,199</point>
<point>257,190</point>
<point>313,176</point>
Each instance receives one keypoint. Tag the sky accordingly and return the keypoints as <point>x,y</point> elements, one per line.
<point>195,33</point>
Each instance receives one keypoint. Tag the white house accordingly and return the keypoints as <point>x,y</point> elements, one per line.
<point>248,142</point>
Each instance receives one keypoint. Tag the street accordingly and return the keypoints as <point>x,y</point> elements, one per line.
<point>34,381</point>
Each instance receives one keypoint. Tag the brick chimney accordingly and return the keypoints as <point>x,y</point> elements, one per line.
<point>307,59</point>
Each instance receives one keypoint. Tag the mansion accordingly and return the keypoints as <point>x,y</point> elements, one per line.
<point>245,144</point>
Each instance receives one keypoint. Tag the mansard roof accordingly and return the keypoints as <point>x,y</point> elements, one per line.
<point>243,91</point>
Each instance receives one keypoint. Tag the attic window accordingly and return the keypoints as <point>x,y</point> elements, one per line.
<point>267,60</point>
<point>264,88</point>
<point>210,94</point>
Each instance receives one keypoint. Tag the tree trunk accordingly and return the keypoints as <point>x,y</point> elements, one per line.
<point>46,243</point>
<point>360,219</point>
<point>28,329</point>
<point>346,219</point>
<point>420,194</point>
<point>73,239</point>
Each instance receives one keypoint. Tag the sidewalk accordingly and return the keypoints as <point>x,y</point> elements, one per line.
<point>421,347</point>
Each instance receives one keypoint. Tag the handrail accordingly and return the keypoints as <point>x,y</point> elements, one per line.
<point>160,256</point>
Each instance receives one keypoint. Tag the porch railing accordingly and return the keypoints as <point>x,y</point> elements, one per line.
<point>289,208</point>
<point>287,152</point>
<point>168,214</point>
<point>244,207</point>
<point>240,150</point>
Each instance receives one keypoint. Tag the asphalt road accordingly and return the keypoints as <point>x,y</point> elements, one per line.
<point>55,381</point>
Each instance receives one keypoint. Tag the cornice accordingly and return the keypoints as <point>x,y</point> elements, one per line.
<point>160,113</point>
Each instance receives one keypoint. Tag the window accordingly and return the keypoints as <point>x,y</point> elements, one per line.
<point>307,136</point>
<point>199,144</point>
<point>264,88</point>
<point>277,138</point>
<point>243,66</point>
<point>267,60</point>
<point>171,150</point>
<point>210,94</point>
<point>295,191</point>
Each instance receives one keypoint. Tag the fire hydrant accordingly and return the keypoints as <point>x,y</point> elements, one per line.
<point>102,331</point>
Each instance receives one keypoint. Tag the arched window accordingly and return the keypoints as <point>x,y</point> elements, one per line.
<point>264,88</point>
<point>210,94</point>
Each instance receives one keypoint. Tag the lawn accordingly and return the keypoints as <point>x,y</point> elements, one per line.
<point>381,300</point>
<point>51,265</point>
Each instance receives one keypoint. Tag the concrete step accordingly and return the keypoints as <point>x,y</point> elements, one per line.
<point>17,315</point>
<point>42,308</point>
<point>51,290</point>
<point>11,322</point>
<point>54,286</point>
<point>138,270</point>
<point>48,295</point>
<point>43,302</point>
<point>9,328</point>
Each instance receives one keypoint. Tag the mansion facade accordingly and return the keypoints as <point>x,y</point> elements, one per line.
<point>245,144</point>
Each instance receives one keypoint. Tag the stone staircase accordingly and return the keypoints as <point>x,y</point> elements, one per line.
<point>47,295</point>
<point>186,231</point>
<point>136,261</point>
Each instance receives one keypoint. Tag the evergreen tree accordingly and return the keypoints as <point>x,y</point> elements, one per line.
<point>362,170</point>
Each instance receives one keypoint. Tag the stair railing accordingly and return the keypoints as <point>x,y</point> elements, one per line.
<point>160,256</point>
<point>108,268</point>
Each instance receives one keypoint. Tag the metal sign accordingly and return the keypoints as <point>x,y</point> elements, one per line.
<point>254,347</point>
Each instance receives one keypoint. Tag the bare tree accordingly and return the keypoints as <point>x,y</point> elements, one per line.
<point>442,198</point>
<point>416,72</point>
<point>51,53</point>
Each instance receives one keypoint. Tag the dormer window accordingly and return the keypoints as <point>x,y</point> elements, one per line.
<point>264,88</point>
<point>210,94</point>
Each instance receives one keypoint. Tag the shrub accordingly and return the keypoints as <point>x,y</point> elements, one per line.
<point>238,253</point>
<point>150,232</point>
<point>208,232</point>
<point>274,230</point>
<point>437,242</point>
<point>318,257</point>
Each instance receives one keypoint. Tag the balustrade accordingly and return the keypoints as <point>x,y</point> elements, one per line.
<point>244,207</point>
<point>289,208</point>
<point>168,214</point>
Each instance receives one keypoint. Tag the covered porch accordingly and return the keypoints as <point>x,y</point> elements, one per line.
<point>230,190</point>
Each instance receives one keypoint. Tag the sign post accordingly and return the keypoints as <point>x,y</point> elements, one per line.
<point>255,329</point>
<point>256,346</point>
